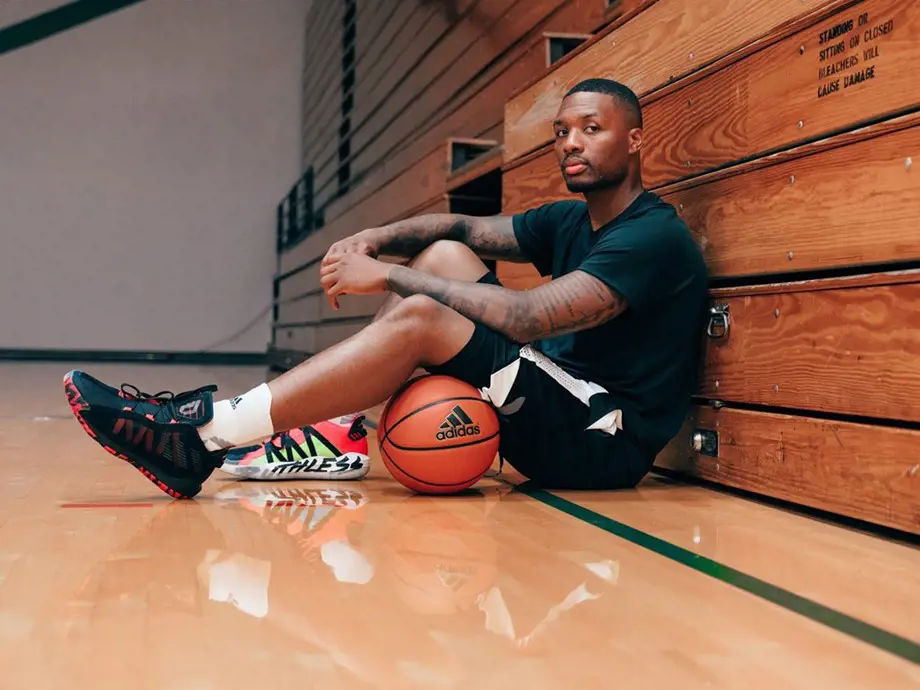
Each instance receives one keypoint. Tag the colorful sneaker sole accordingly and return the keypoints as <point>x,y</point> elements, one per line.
<point>78,406</point>
<point>345,466</point>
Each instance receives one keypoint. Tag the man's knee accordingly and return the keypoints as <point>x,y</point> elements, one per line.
<point>418,308</point>
<point>435,332</point>
<point>451,260</point>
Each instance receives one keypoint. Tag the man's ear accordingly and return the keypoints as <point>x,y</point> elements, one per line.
<point>635,140</point>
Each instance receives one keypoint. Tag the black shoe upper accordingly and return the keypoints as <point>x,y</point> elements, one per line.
<point>158,433</point>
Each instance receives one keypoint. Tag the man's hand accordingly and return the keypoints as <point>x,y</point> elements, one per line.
<point>360,243</point>
<point>353,274</point>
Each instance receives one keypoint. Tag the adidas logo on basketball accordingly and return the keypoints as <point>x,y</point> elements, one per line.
<point>456,425</point>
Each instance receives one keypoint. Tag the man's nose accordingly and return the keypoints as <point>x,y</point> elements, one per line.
<point>573,143</point>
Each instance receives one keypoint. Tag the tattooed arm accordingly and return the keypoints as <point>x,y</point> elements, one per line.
<point>490,237</point>
<point>574,302</point>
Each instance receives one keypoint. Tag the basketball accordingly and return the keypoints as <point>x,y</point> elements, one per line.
<point>437,435</point>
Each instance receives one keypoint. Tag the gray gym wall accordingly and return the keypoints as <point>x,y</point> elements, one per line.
<point>141,158</point>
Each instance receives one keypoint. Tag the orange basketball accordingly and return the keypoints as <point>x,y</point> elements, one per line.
<point>437,435</point>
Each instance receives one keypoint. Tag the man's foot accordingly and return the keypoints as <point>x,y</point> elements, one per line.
<point>158,434</point>
<point>328,450</point>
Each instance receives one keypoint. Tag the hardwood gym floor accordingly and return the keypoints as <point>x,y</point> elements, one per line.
<point>106,583</point>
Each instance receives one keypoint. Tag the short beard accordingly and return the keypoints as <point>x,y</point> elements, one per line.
<point>601,183</point>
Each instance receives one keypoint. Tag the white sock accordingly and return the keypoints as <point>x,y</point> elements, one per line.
<point>240,421</point>
<point>345,420</point>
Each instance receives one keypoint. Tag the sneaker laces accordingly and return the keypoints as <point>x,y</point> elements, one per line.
<point>131,392</point>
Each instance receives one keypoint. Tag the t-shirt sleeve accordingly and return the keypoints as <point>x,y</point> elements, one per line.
<point>536,231</point>
<point>637,260</point>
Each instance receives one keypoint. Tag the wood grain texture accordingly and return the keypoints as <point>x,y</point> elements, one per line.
<point>475,110</point>
<point>861,471</point>
<point>421,185</point>
<point>770,100</point>
<point>666,41</point>
<point>412,96</point>
<point>487,162</point>
<point>849,206</point>
<point>515,276</point>
<point>844,201</point>
<point>466,97</point>
<point>466,52</point>
<point>850,351</point>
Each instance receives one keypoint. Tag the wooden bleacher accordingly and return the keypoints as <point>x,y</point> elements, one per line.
<point>803,200</point>
<point>799,185</point>
<point>427,75</point>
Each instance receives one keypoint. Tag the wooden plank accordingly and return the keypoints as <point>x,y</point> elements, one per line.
<point>852,350</point>
<point>409,49</point>
<point>844,201</point>
<point>849,206</point>
<point>376,55</point>
<point>848,282</point>
<point>321,85</point>
<point>861,471</point>
<point>776,98</point>
<point>772,99</point>
<point>462,53</point>
<point>481,165</point>
<point>477,113</point>
<point>478,109</point>
<point>532,183</point>
<point>368,151</point>
<point>423,184</point>
<point>515,276</point>
<point>664,42</point>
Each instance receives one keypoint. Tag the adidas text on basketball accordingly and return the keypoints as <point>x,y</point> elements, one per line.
<point>457,424</point>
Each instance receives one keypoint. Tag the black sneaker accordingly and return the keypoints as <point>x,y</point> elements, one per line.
<point>158,434</point>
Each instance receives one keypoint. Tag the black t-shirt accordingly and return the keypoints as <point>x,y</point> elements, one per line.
<point>647,357</point>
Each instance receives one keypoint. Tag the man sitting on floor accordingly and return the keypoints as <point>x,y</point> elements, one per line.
<point>604,355</point>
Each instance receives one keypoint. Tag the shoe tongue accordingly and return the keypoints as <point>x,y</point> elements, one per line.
<point>195,408</point>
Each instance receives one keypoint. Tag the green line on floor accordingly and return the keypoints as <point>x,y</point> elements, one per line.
<point>860,630</point>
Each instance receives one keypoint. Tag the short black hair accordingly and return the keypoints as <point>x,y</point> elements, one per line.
<point>620,93</point>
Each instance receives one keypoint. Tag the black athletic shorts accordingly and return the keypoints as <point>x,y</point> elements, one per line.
<point>546,439</point>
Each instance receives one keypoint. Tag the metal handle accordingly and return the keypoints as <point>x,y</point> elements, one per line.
<point>719,321</point>
<point>706,442</point>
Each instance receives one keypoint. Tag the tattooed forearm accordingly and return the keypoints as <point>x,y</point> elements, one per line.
<point>490,237</point>
<point>572,303</point>
<point>409,237</point>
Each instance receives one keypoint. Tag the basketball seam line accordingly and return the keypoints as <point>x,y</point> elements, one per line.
<point>414,478</point>
<point>459,445</point>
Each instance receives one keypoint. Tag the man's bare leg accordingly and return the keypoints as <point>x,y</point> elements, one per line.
<point>368,367</point>
<point>362,371</point>
<point>446,259</point>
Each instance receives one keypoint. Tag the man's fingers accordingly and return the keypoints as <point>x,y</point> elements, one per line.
<point>333,294</point>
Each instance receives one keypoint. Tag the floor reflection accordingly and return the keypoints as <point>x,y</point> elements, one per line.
<point>357,586</point>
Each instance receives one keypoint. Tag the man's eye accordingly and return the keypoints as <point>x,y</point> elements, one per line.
<point>592,128</point>
<point>561,132</point>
